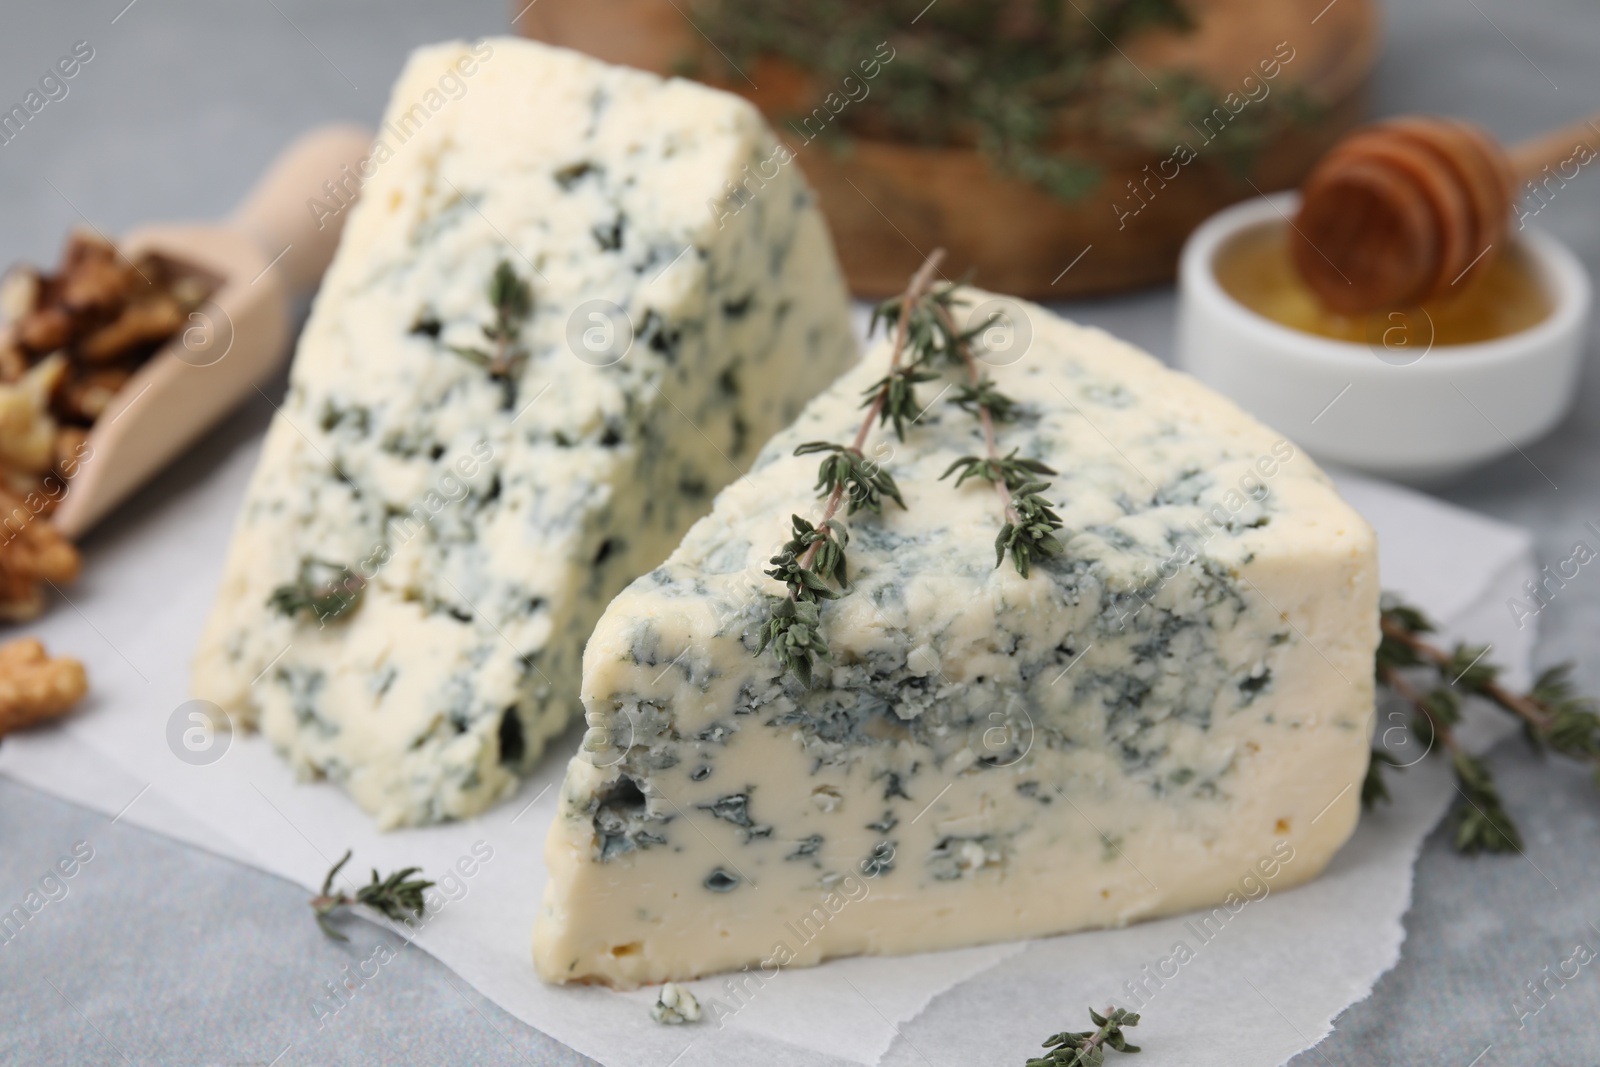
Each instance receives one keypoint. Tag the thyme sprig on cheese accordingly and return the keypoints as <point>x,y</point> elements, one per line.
<point>503,530</point>
<point>847,470</point>
<point>512,300</point>
<point>326,590</point>
<point>1028,533</point>
<point>1553,716</point>
<point>815,555</point>
<point>926,340</point>
<point>1087,1048</point>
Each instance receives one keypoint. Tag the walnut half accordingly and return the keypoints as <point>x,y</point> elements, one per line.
<point>32,552</point>
<point>34,687</point>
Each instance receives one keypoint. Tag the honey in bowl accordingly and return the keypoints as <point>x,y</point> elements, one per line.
<point>1505,297</point>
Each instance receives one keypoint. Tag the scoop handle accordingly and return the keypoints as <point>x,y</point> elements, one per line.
<point>292,215</point>
<point>1529,158</point>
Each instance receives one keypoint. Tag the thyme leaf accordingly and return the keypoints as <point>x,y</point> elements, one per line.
<point>326,590</point>
<point>475,356</point>
<point>985,394</point>
<point>793,630</point>
<point>1030,537</point>
<point>827,560</point>
<point>1374,790</point>
<point>1482,824</point>
<point>896,399</point>
<point>1573,728</point>
<point>1007,470</point>
<point>846,470</point>
<point>511,297</point>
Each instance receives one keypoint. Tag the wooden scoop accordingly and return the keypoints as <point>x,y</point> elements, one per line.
<point>272,247</point>
<point>1407,210</point>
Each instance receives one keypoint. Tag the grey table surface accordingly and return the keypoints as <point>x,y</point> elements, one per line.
<point>184,958</point>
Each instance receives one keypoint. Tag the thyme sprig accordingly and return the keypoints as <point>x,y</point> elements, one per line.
<point>398,896</point>
<point>1087,1048</point>
<point>1482,824</point>
<point>1552,714</point>
<point>926,342</point>
<point>815,556</point>
<point>326,590</point>
<point>1028,533</point>
<point>512,300</point>
<point>1374,790</point>
<point>926,334</point>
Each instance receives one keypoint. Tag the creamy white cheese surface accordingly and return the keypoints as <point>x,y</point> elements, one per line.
<point>493,511</point>
<point>1173,711</point>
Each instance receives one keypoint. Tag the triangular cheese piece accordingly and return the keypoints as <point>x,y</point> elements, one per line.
<point>462,474</point>
<point>1171,715</point>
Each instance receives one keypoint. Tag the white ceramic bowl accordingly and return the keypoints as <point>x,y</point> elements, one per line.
<point>1416,416</point>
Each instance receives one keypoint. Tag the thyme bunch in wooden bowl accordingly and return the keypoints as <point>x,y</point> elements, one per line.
<point>1025,81</point>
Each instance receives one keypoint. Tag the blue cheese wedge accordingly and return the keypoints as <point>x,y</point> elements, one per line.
<point>1173,711</point>
<point>459,479</point>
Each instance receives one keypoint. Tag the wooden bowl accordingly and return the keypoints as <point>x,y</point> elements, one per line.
<point>889,203</point>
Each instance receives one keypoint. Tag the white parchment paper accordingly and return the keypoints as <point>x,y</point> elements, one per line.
<point>1300,956</point>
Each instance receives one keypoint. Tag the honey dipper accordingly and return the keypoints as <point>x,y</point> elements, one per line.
<point>1405,210</point>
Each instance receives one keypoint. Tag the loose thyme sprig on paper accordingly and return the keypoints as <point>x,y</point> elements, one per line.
<point>1552,715</point>
<point>1087,1048</point>
<point>397,896</point>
